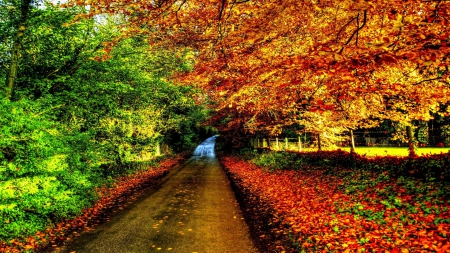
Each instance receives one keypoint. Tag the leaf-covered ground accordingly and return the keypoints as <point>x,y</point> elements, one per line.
<point>350,211</point>
<point>111,199</point>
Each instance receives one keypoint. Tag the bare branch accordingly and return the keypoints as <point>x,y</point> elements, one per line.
<point>222,9</point>
<point>342,28</point>
<point>431,79</point>
<point>358,28</point>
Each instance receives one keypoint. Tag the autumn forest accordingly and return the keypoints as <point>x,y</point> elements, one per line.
<point>97,90</point>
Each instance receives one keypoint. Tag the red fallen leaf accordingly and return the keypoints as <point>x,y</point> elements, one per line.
<point>299,208</point>
<point>307,245</point>
<point>29,247</point>
<point>446,247</point>
<point>389,59</point>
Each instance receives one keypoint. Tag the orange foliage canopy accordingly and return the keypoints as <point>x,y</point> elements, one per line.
<point>319,63</point>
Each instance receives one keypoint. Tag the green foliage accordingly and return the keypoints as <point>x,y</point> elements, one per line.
<point>80,118</point>
<point>275,160</point>
<point>38,184</point>
<point>9,17</point>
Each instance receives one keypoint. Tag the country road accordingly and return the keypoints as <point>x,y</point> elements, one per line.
<point>193,209</point>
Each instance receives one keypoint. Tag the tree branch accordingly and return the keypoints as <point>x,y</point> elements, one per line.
<point>358,28</point>
<point>221,9</point>
<point>431,79</point>
<point>342,28</point>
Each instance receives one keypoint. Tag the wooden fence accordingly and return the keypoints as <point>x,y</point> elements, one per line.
<point>279,144</point>
<point>313,142</point>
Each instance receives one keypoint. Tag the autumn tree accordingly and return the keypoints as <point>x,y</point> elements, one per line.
<point>362,61</point>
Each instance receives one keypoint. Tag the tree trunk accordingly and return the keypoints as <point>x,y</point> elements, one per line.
<point>352,142</point>
<point>157,150</point>
<point>319,145</point>
<point>15,53</point>
<point>299,144</point>
<point>410,135</point>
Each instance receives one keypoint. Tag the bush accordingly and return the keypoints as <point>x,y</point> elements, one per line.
<point>41,180</point>
<point>276,160</point>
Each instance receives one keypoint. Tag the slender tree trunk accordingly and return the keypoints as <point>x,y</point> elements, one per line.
<point>410,135</point>
<point>15,53</point>
<point>158,149</point>
<point>319,145</point>
<point>352,142</point>
<point>299,144</point>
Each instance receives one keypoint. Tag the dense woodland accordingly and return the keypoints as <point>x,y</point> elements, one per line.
<point>72,121</point>
<point>92,88</point>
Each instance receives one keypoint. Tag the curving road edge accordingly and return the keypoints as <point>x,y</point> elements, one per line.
<point>193,209</point>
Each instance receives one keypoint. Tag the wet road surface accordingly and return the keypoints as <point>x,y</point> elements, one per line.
<point>192,210</point>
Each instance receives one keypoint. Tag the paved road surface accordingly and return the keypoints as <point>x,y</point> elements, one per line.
<point>192,210</point>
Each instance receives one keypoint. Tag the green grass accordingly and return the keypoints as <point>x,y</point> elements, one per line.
<point>395,151</point>
<point>383,151</point>
<point>373,151</point>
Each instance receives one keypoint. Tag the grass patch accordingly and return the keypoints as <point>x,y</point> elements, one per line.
<point>391,151</point>
<point>395,151</point>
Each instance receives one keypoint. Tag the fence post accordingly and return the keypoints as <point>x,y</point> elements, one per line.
<point>258,144</point>
<point>264,143</point>
<point>277,146</point>
<point>286,143</point>
<point>299,144</point>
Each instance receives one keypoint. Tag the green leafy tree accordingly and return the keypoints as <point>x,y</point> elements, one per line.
<point>83,113</point>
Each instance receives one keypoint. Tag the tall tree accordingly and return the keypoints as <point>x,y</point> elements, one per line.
<point>334,56</point>
<point>20,27</point>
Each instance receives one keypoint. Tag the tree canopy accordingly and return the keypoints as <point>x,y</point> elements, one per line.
<point>91,87</point>
<point>271,63</point>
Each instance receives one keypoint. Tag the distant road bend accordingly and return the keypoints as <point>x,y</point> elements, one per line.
<point>193,209</point>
